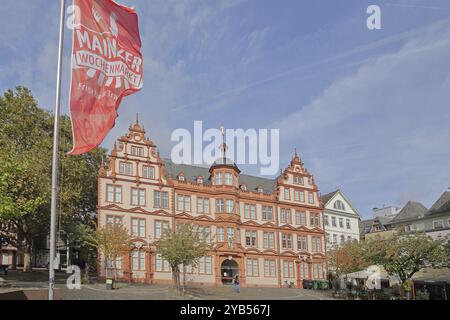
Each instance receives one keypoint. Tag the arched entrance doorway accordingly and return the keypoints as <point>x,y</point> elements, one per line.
<point>229,269</point>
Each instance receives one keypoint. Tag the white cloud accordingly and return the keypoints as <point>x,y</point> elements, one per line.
<point>384,129</point>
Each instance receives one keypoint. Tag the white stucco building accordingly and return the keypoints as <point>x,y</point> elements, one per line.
<point>341,219</point>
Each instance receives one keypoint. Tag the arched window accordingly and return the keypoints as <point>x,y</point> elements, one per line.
<point>338,204</point>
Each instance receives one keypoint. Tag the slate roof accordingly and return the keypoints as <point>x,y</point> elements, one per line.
<point>411,211</point>
<point>192,172</point>
<point>442,204</point>
<point>384,221</point>
<point>328,196</point>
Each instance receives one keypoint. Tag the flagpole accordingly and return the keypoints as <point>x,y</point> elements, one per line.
<point>54,200</point>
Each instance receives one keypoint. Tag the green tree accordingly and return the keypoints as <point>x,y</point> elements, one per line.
<point>182,247</point>
<point>26,138</point>
<point>82,238</point>
<point>405,254</point>
<point>113,241</point>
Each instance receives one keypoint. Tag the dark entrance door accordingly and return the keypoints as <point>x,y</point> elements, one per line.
<point>229,270</point>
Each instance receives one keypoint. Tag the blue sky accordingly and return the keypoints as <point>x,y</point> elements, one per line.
<point>368,111</point>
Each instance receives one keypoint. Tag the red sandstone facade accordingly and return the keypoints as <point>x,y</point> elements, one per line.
<point>269,232</point>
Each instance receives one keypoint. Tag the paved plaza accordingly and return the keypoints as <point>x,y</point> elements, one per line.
<point>132,291</point>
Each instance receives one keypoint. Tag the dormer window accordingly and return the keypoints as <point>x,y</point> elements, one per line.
<point>260,189</point>
<point>181,176</point>
<point>137,151</point>
<point>243,187</point>
<point>200,180</point>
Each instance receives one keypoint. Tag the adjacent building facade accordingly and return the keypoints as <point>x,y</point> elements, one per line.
<point>341,219</point>
<point>268,231</point>
<point>413,217</point>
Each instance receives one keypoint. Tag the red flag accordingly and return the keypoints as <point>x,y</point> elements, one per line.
<point>106,66</point>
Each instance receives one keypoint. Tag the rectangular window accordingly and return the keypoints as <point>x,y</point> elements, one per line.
<point>137,197</point>
<point>230,234</point>
<point>161,228</point>
<point>137,151</point>
<point>183,203</point>
<point>333,221</point>
<point>285,215</point>
<point>318,271</point>
<point>269,268</point>
<point>252,267</point>
<point>296,195</point>
<point>114,193</point>
<point>325,220</point>
<point>438,224</point>
<point>110,193</point>
<point>347,223</point>
<point>111,220</point>
<point>250,238</point>
<point>125,168</point>
<point>199,205</point>
<point>286,241</point>
<point>302,196</point>
<point>220,234</point>
<point>341,223</point>
<point>165,199</point>
<point>317,220</point>
<point>267,213</point>
<point>228,179</point>
<point>268,240</point>
<point>230,206</point>
<point>205,265</point>
<point>250,211</point>
<point>138,228</point>
<point>138,260</point>
<point>304,270</point>
<point>316,244</point>
<point>287,195</point>
<point>218,178</point>
<point>310,197</point>
<point>297,217</point>
<point>161,264</point>
<point>157,199</point>
<point>303,218</point>
<point>148,172</point>
<point>187,203</point>
<point>219,205</point>
<point>288,269</point>
<point>302,242</point>
<point>118,263</point>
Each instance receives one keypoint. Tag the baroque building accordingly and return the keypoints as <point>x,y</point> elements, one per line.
<point>268,231</point>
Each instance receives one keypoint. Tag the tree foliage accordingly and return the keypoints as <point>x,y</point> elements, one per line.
<point>26,139</point>
<point>82,238</point>
<point>405,254</point>
<point>182,247</point>
<point>113,241</point>
<point>347,258</point>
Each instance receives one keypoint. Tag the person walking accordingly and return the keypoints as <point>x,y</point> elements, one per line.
<point>237,287</point>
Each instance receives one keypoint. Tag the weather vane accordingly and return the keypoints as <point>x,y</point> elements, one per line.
<point>223,146</point>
